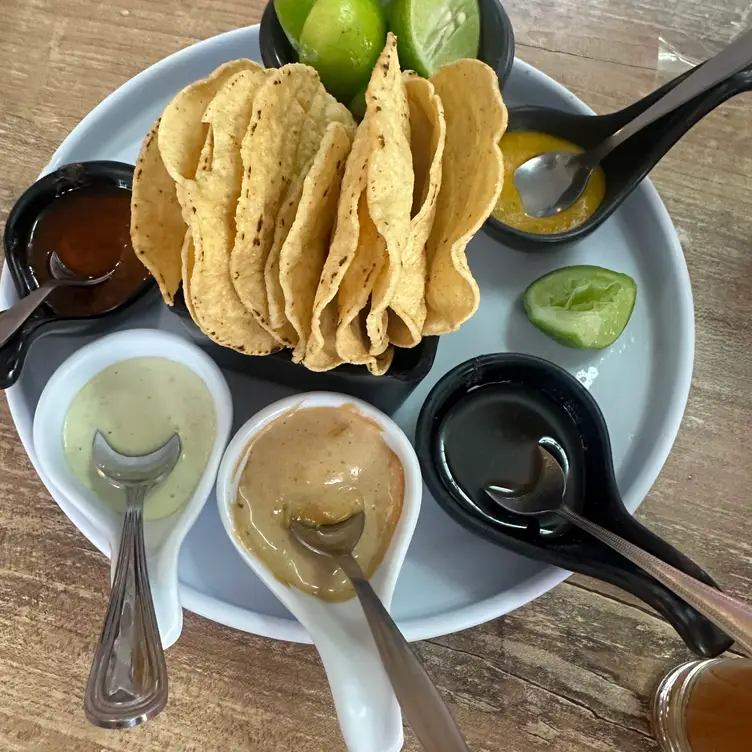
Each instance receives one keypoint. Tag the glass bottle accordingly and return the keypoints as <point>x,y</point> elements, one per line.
<point>705,706</point>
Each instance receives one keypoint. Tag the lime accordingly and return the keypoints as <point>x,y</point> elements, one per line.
<point>586,307</point>
<point>292,15</point>
<point>432,33</point>
<point>342,39</point>
<point>358,105</point>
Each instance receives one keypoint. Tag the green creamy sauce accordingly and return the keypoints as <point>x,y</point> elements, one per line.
<point>138,404</point>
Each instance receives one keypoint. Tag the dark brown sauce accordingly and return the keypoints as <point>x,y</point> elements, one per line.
<point>489,437</point>
<point>90,230</point>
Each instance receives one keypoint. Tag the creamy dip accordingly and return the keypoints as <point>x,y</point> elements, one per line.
<point>138,404</point>
<point>321,464</point>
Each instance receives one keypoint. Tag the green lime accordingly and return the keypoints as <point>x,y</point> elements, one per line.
<point>432,33</point>
<point>342,39</point>
<point>292,15</point>
<point>586,307</point>
<point>358,105</point>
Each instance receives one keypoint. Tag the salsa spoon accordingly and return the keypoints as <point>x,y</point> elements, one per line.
<point>426,712</point>
<point>127,682</point>
<point>551,182</point>
<point>547,496</point>
<point>12,319</point>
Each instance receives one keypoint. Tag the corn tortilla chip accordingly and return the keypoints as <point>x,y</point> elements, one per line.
<point>321,353</point>
<point>268,151</point>
<point>303,254</point>
<point>324,110</point>
<point>188,262</point>
<point>355,290</point>
<point>390,181</point>
<point>157,226</point>
<point>182,132</point>
<point>473,171</point>
<point>212,199</point>
<point>427,135</point>
<point>353,296</point>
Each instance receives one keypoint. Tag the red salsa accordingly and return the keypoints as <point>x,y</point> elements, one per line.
<point>90,230</point>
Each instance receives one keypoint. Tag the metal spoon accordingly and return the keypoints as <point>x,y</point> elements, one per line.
<point>128,679</point>
<point>553,181</point>
<point>421,702</point>
<point>547,495</point>
<point>12,319</point>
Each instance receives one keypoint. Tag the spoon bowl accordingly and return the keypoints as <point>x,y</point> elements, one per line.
<point>337,539</point>
<point>101,523</point>
<point>585,438</point>
<point>550,183</point>
<point>123,470</point>
<point>366,706</point>
<point>14,318</point>
<point>627,165</point>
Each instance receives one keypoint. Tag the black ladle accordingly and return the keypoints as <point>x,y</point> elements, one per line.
<point>577,425</point>
<point>546,496</point>
<point>627,165</point>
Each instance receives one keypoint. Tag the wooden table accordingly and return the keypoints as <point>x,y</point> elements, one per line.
<point>571,672</point>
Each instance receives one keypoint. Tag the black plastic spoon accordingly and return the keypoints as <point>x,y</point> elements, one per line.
<point>556,405</point>
<point>628,164</point>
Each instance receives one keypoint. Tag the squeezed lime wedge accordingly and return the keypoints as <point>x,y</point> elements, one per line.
<point>432,33</point>
<point>586,307</point>
<point>342,39</point>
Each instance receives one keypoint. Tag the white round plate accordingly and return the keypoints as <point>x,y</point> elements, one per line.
<point>451,580</point>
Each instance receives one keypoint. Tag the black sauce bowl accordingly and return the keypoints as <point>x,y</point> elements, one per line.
<point>628,164</point>
<point>588,449</point>
<point>18,229</point>
<point>387,392</point>
<point>496,39</point>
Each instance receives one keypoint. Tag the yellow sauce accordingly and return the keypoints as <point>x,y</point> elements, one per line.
<point>519,146</point>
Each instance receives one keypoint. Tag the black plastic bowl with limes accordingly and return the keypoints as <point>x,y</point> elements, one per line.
<point>496,45</point>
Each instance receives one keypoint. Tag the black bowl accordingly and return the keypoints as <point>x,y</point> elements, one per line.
<point>386,392</point>
<point>585,438</point>
<point>628,164</point>
<point>496,39</point>
<point>15,240</point>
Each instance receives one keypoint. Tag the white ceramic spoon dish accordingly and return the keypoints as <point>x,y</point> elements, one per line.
<point>367,709</point>
<point>163,537</point>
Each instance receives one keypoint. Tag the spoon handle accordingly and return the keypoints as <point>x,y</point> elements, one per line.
<point>427,714</point>
<point>728,61</point>
<point>725,611</point>
<point>128,679</point>
<point>12,319</point>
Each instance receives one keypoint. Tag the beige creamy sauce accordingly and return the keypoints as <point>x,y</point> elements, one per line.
<point>321,464</point>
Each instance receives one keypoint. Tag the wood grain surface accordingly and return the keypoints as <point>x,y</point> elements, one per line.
<point>571,672</point>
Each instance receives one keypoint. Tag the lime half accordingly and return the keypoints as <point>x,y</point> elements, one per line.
<point>432,33</point>
<point>342,39</point>
<point>586,307</point>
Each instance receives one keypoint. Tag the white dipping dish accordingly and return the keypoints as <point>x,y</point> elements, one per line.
<point>367,709</point>
<point>163,537</point>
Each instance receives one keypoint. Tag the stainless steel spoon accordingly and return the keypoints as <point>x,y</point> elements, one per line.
<point>421,702</point>
<point>128,679</point>
<point>553,181</point>
<point>12,319</point>
<point>547,496</point>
